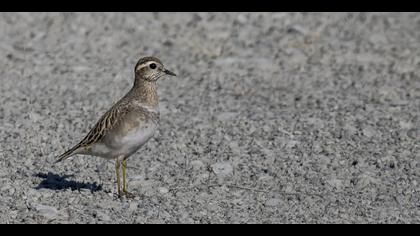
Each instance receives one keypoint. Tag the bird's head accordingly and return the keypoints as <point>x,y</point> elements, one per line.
<point>151,69</point>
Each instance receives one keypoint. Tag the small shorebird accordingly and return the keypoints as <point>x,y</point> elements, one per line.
<point>129,124</point>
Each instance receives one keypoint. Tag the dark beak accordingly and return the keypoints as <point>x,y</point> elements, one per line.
<point>169,72</point>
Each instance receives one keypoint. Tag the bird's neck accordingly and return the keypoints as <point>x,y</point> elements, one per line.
<point>144,92</point>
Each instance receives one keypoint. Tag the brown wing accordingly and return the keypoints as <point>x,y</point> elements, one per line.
<point>105,123</point>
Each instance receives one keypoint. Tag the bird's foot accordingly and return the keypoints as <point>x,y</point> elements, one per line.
<point>126,194</point>
<point>129,195</point>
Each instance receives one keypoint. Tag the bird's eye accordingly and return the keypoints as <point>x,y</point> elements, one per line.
<point>152,66</point>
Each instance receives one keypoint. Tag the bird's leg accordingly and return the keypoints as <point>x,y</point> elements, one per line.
<point>117,170</point>
<point>124,167</point>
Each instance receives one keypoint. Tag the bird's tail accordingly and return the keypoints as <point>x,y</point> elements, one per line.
<point>67,154</point>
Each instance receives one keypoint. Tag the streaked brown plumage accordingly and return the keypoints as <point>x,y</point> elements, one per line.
<point>127,125</point>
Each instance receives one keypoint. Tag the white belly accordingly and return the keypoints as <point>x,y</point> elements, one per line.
<point>137,137</point>
<point>124,145</point>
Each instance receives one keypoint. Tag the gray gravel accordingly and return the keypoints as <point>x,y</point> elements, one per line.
<point>274,118</point>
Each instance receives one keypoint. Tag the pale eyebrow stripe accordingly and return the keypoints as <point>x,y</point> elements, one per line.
<point>142,66</point>
<point>145,64</point>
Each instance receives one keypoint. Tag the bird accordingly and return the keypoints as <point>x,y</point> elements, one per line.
<point>128,124</point>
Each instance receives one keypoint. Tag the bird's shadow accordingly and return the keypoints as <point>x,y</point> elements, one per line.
<point>56,182</point>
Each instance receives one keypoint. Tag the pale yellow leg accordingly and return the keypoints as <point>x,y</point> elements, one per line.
<point>117,170</point>
<point>125,191</point>
<point>124,166</point>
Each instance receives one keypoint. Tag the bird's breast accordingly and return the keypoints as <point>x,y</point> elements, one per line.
<point>132,139</point>
<point>138,135</point>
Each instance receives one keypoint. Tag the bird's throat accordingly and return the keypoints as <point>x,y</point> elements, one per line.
<point>145,92</point>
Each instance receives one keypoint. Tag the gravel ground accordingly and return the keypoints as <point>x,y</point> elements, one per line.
<point>273,118</point>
